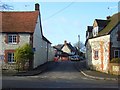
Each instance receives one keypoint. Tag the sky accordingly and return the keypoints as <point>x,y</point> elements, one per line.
<point>66,20</point>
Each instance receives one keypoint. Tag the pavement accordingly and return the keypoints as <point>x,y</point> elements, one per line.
<point>81,66</point>
<point>33,72</point>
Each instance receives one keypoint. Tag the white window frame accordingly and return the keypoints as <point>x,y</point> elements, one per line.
<point>118,53</point>
<point>96,54</point>
<point>13,36</point>
<point>95,31</point>
<point>11,58</point>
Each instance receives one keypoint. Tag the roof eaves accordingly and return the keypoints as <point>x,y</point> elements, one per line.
<point>45,39</point>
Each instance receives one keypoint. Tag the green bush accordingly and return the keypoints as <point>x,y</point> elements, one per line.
<point>115,60</point>
<point>22,55</point>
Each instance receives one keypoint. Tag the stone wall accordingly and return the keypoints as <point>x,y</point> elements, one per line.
<point>114,68</point>
<point>8,66</point>
<point>13,66</point>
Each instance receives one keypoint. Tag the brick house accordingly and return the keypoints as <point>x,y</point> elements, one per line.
<point>103,43</point>
<point>18,28</point>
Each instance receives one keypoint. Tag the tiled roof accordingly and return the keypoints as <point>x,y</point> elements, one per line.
<point>19,21</point>
<point>89,28</point>
<point>71,47</point>
<point>102,23</point>
<point>59,46</point>
<point>114,20</point>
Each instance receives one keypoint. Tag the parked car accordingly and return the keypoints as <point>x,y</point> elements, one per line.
<point>81,58</point>
<point>56,58</point>
<point>75,58</point>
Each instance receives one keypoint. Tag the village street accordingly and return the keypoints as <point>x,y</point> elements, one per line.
<point>41,39</point>
<point>61,74</point>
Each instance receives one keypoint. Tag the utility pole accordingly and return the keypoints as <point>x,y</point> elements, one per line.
<point>79,42</point>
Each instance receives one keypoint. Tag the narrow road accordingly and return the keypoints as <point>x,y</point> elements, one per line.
<point>59,75</point>
<point>61,70</point>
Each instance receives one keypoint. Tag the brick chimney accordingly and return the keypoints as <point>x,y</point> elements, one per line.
<point>37,7</point>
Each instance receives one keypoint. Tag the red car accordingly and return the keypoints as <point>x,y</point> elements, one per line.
<point>56,59</point>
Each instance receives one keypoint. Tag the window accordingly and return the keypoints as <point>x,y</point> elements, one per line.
<point>118,38</point>
<point>95,55</point>
<point>11,58</point>
<point>95,31</point>
<point>116,53</point>
<point>12,39</point>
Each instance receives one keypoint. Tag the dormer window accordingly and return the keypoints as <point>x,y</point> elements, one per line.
<point>12,38</point>
<point>95,31</point>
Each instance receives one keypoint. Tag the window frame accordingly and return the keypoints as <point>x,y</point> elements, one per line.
<point>95,31</point>
<point>118,37</point>
<point>11,59</point>
<point>96,54</point>
<point>118,53</point>
<point>13,38</point>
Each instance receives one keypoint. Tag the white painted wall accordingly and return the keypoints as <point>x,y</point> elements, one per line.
<point>37,44</point>
<point>66,49</point>
<point>94,44</point>
<point>50,53</point>
<point>44,49</point>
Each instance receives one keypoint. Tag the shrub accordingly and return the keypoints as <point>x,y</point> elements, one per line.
<point>22,55</point>
<point>115,60</point>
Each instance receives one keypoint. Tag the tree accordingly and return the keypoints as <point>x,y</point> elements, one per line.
<point>22,55</point>
<point>81,46</point>
<point>4,6</point>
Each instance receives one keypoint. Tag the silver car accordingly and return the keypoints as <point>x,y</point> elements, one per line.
<point>75,58</point>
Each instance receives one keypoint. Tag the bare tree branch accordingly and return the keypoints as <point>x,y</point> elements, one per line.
<point>4,6</point>
<point>82,47</point>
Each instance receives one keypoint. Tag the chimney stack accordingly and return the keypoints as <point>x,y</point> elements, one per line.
<point>65,42</point>
<point>108,17</point>
<point>36,7</point>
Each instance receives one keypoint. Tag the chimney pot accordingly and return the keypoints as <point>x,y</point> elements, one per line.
<point>36,7</point>
<point>108,17</point>
<point>65,42</point>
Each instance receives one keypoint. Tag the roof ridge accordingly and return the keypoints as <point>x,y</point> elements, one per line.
<point>114,21</point>
<point>101,19</point>
<point>17,11</point>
